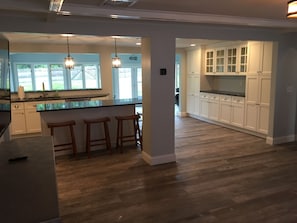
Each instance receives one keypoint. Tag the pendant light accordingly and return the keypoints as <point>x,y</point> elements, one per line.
<point>292,9</point>
<point>69,62</point>
<point>116,61</point>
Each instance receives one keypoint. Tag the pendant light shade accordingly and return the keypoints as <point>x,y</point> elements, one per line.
<point>292,9</point>
<point>116,61</point>
<point>69,62</point>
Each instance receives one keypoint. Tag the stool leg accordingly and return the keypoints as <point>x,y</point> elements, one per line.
<point>107,137</point>
<point>139,133</point>
<point>88,139</point>
<point>121,135</point>
<point>73,139</point>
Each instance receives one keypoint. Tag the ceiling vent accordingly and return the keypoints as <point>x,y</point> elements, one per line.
<point>119,3</point>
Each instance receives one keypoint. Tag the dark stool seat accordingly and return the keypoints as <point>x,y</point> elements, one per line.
<point>133,136</point>
<point>97,141</point>
<point>67,145</point>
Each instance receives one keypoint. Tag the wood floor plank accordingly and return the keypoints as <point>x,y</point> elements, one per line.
<point>221,175</point>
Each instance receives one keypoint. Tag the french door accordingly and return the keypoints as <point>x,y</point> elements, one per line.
<point>127,82</point>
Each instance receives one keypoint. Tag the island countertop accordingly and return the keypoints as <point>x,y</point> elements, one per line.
<point>86,104</point>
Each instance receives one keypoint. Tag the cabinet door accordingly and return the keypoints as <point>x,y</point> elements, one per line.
<point>264,90</point>
<point>209,62</point>
<point>191,104</point>
<point>203,108</point>
<point>33,122</point>
<point>213,110</point>
<point>251,117</point>
<point>243,59</point>
<point>18,123</point>
<point>225,110</point>
<point>194,61</point>
<point>263,119</point>
<point>266,66</point>
<point>252,89</point>
<point>231,60</point>
<point>237,111</point>
<point>255,57</point>
<point>237,115</point>
<point>193,84</point>
<point>220,61</point>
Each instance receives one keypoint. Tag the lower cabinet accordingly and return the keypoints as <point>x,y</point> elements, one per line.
<point>237,111</point>
<point>24,117</point>
<point>18,122</point>
<point>223,108</point>
<point>213,105</point>
<point>33,124</point>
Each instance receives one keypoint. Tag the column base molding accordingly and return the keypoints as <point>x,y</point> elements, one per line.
<point>156,160</point>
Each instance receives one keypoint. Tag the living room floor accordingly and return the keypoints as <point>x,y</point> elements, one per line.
<point>220,175</point>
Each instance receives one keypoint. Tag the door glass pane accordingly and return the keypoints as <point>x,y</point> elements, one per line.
<point>139,82</point>
<point>24,76</point>
<point>125,83</point>
<point>41,76</point>
<point>91,76</point>
<point>76,77</point>
<point>57,75</point>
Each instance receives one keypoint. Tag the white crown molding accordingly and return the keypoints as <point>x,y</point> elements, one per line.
<point>82,10</point>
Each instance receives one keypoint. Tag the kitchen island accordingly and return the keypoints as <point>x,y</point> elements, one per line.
<point>80,110</point>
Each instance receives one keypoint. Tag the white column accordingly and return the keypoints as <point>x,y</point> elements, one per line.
<point>158,53</point>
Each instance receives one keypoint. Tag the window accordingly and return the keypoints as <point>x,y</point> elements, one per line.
<point>53,75</point>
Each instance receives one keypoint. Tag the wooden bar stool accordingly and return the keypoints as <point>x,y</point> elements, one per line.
<point>121,137</point>
<point>97,141</point>
<point>67,145</point>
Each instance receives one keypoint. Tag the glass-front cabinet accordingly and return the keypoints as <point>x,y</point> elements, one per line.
<point>226,59</point>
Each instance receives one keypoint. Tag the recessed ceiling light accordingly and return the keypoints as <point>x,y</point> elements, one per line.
<point>192,44</point>
<point>138,44</point>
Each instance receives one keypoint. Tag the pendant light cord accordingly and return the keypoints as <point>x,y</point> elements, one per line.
<point>115,47</point>
<point>68,47</point>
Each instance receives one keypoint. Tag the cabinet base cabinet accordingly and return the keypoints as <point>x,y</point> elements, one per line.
<point>18,123</point>
<point>237,115</point>
<point>257,118</point>
<point>33,122</point>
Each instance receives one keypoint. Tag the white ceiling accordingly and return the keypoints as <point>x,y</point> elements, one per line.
<point>263,13</point>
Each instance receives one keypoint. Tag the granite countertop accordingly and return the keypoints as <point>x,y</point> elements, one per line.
<point>28,186</point>
<point>240,94</point>
<point>86,104</point>
<point>48,98</point>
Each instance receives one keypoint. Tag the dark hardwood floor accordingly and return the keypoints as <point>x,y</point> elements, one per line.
<point>220,175</point>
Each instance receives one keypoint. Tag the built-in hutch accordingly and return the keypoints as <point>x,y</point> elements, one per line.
<point>228,83</point>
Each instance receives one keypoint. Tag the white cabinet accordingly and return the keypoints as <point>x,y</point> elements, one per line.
<point>24,117</point>
<point>193,91</point>
<point>257,103</point>
<point>33,124</point>
<point>237,111</point>
<point>227,60</point>
<point>225,109</point>
<point>232,110</point>
<point>194,61</point>
<point>213,106</point>
<point>260,58</point>
<point>18,122</point>
<point>203,108</point>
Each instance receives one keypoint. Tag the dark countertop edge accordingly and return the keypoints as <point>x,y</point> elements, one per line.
<point>59,98</point>
<point>224,93</point>
<point>106,103</point>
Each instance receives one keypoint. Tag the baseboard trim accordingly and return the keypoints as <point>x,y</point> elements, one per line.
<point>157,160</point>
<point>280,140</point>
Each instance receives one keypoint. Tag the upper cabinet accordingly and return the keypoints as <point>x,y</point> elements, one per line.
<point>194,61</point>
<point>260,58</point>
<point>226,59</point>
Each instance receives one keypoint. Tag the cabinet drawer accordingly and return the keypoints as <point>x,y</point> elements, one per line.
<point>32,105</point>
<point>225,98</point>
<point>239,100</point>
<point>214,97</point>
<point>17,106</point>
<point>204,95</point>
